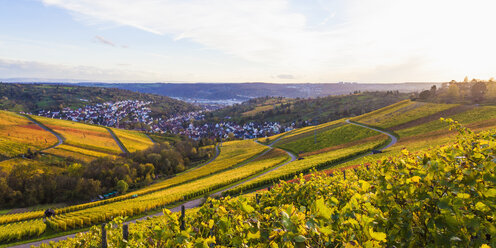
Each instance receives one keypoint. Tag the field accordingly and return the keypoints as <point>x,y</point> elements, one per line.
<point>305,165</point>
<point>401,113</point>
<point>18,134</point>
<point>133,140</point>
<point>79,138</point>
<point>9,164</point>
<point>325,139</point>
<point>244,166</point>
<point>233,153</point>
<point>77,216</point>
<point>408,200</point>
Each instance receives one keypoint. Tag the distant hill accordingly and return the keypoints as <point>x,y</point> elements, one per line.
<point>299,111</point>
<point>29,97</point>
<point>245,91</point>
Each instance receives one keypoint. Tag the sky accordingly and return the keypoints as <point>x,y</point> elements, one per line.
<point>278,41</point>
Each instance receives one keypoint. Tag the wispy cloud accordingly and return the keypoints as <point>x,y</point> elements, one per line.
<point>33,69</point>
<point>451,37</point>
<point>104,41</point>
<point>285,76</point>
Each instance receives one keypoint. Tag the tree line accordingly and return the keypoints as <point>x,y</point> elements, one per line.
<point>475,91</point>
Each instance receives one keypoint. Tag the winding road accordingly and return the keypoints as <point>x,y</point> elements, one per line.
<point>197,202</point>
<point>59,137</point>
<point>393,141</point>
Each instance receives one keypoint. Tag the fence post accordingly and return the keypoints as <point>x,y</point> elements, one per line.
<point>104,236</point>
<point>258,199</point>
<point>125,232</point>
<point>183,215</point>
<point>344,174</point>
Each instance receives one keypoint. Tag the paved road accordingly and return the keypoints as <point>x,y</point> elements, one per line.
<point>153,141</point>
<point>59,137</point>
<point>393,138</point>
<point>117,140</point>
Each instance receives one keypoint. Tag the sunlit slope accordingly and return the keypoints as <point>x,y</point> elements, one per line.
<point>221,174</point>
<point>322,141</point>
<point>433,132</point>
<point>317,161</point>
<point>400,113</point>
<point>81,140</point>
<point>133,140</point>
<point>18,134</point>
<point>409,200</point>
<point>233,153</point>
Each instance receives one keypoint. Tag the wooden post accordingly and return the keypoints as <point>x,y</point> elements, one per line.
<point>104,236</point>
<point>258,199</point>
<point>125,232</point>
<point>344,175</point>
<point>183,216</point>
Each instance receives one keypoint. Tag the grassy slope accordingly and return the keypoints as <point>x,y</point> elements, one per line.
<point>333,137</point>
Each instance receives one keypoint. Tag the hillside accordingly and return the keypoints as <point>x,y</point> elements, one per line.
<point>245,166</point>
<point>299,111</point>
<point>411,199</point>
<point>240,92</point>
<point>50,161</point>
<point>35,97</point>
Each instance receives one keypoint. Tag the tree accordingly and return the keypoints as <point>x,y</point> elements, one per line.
<point>478,91</point>
<point>122,186</point>
<point>453,93</point>
<point>465,80</point>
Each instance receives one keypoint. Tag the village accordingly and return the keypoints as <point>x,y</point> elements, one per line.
<point>134,114</point>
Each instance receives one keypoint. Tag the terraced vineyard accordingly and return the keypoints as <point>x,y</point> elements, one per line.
<point>244,166</point>
<point>18,135</point>
<point>408,200</point>
<point>324,140</point>
<point>81,141</point>
<point>133,140</point>
<point>400,113</point>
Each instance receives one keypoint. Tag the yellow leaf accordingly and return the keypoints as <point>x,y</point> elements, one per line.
<point>415,179</point>
<point>379,236</point>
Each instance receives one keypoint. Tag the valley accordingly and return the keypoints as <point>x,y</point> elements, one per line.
<point>241,166</point>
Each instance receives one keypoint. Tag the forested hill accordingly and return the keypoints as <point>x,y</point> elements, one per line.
<point>298,110</point>
<point>245,91</point>
<point>34,97</point>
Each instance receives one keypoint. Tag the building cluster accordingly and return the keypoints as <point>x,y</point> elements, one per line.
<point>186,124</point>
<point>125,114</point>
<point>111,114</point>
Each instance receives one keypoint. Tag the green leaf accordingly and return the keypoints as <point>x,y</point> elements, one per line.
<point>490,193</point>
<point>300,239</point>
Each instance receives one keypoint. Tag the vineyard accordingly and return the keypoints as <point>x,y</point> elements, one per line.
<point>133,140</point>
<point>18,135</point>
<point>400,113</point>
<point>444,197</point>
<point>82,141</point>
<point>325,139</point>
<point>244,166</point>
